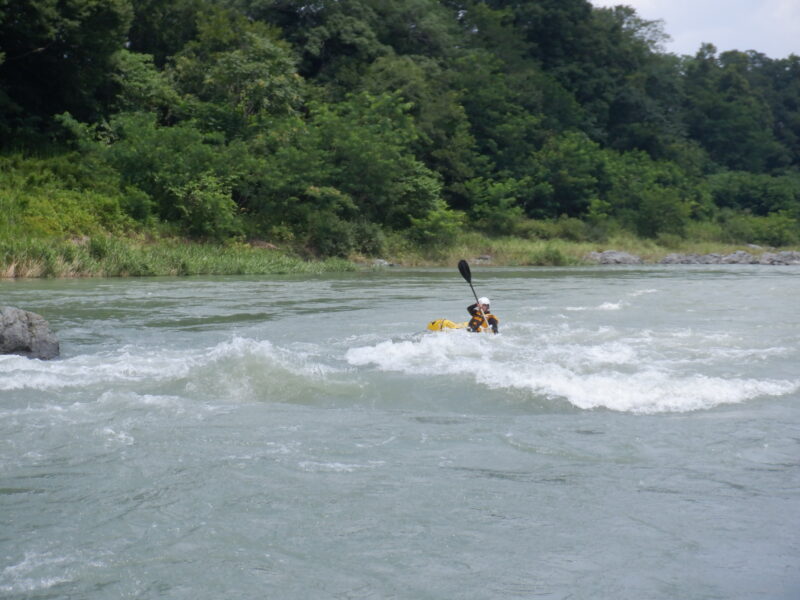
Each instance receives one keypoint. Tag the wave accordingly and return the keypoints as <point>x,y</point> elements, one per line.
<point>591,369</point>
<point>600,367</point>
<point>237,369</point>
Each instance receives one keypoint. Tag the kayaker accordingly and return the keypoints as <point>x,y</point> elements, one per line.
<point>477,323</point>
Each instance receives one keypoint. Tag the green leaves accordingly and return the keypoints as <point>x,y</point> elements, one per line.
<point>235,74</point>
<point>438,227</point>
<point>569,173</point>
<point>759,194</point>
<point>333,124</point>
<point>728,115</point>
<point>205,208</point>
<point>360,147</point>
<point>141,86</point>
<point>58,55</point>
<point>186,173</point>
<point>495,205</point>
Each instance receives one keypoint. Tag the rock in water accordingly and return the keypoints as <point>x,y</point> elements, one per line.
<point>26,333</point>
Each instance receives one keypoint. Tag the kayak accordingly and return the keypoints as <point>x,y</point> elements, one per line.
<point>445,324</point>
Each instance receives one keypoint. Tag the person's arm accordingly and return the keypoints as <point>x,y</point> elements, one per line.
<point>476,320</point>
<point>494,324</point>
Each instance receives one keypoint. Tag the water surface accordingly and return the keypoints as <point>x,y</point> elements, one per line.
<point>633,432</point>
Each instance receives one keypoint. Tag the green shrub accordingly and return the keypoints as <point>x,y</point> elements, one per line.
<point>754,192</point>
<point>565,228</point>
<point>438,228</point>
<point>661,210</point>
<point>705,231</point>
<point>58,196</point>
<point>206,208</point>
<point>570,228</point>
<point>99,247</point>
<point>494,206</point>
<point>370,239</point>
<point>777,229</point>
<point>138,204</point>
<point>533,229</point>
<point>328,235</point>
<point>669,240</point>
<point>548,256</point>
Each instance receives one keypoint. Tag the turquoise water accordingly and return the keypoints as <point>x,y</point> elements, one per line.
<point>633,432</point>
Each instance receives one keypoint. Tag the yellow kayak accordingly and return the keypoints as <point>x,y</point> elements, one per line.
<point>444,324</point>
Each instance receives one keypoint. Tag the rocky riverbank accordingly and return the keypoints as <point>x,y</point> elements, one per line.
<point>740,257</point>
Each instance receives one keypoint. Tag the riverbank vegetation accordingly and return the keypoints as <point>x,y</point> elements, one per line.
<point>243,136</point>
<point>125,257</point>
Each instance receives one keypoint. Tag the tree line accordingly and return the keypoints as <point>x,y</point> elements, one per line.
<point>334,124</point>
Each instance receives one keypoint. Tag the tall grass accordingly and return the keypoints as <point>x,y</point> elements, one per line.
<point>515,251</point>
<point>119,257</point>
<point>509,251</point>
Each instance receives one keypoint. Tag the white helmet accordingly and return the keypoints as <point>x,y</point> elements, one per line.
<point>483,300</point>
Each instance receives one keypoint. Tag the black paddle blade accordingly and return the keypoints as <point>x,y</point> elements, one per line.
<point>463,267</point>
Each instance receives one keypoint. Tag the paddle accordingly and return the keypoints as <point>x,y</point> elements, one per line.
<point>463,267</point>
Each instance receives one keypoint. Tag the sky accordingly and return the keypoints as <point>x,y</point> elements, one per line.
<point>771,27</point>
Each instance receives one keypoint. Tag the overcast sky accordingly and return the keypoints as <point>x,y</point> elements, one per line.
<point>768,26</point>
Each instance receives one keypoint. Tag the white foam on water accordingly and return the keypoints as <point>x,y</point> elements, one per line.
<point>441,352</point>
<point>113,436</point>
<point>597,366</point>
<point>336,467</point>
<point>128,364</point>
<point>137,364</point>
<point>648,391</point>
<point>603,306</point>
<point>20,579</point>
<point>638,372</point>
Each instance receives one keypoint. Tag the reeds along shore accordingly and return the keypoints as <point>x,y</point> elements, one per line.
<point>110,257</point>
<point>123,257</point>
<point>514,251</point>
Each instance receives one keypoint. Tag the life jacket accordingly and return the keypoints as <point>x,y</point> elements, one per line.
<point>477,323</point>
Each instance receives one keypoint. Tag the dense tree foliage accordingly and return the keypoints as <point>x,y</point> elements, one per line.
<point>336,123</point>
<point>56,57</point>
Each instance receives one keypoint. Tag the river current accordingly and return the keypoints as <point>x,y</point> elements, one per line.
<point>632,433</point>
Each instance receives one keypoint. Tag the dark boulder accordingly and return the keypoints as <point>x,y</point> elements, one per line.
<point>26,333</point>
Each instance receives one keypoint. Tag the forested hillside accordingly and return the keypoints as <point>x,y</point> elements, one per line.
<point>337,125</point>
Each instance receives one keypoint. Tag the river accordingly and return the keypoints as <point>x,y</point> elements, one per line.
<point>632,433</point>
